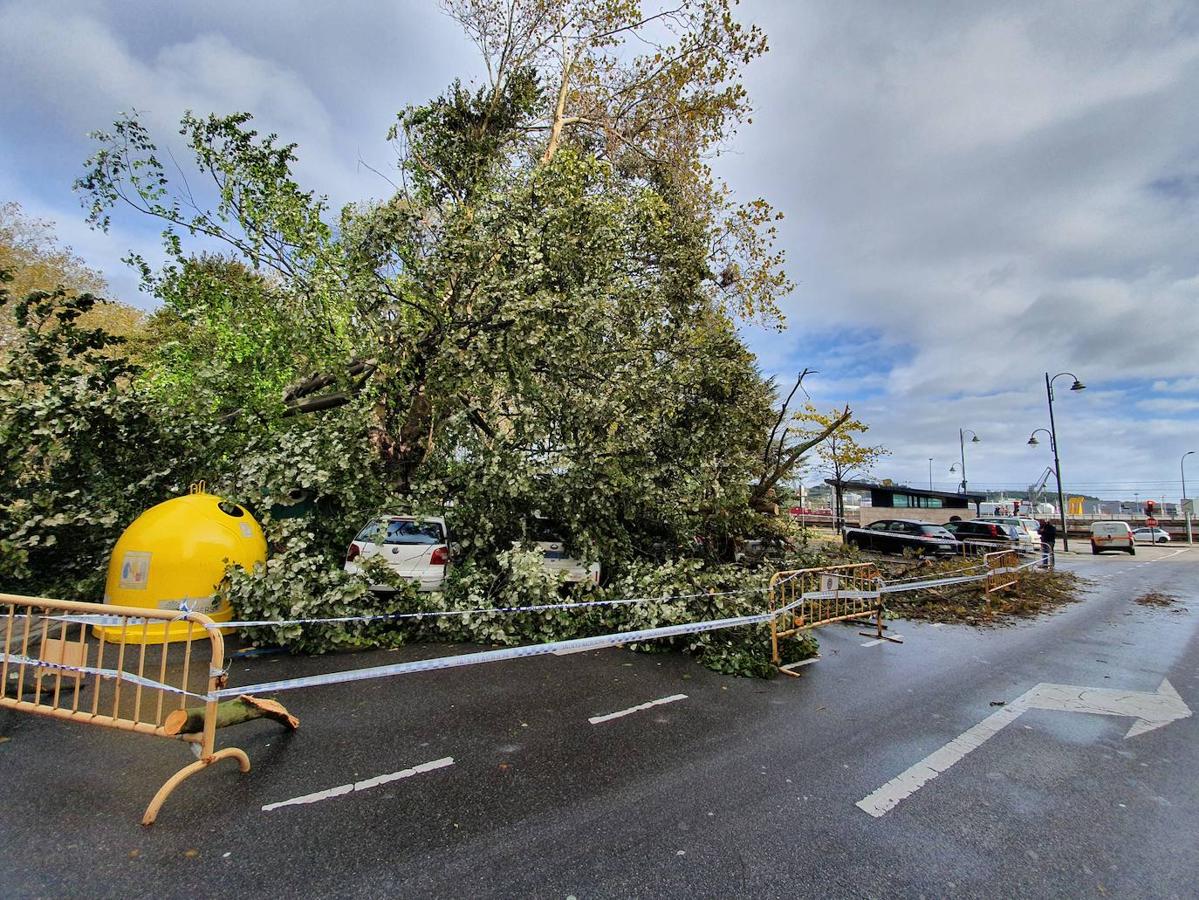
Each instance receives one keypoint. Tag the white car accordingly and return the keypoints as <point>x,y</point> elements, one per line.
<point>415,547</point>
<point>1151,535</point>
<point>554,557</point>
<point>1028,531</point>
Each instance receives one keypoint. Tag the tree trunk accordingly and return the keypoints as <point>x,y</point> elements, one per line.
<point>231,712</point>
<point>559,114</point>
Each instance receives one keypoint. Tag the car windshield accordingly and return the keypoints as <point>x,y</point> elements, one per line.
<point>935,530</point>
<point>407,531</point>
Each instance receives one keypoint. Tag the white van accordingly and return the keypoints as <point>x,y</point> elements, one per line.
<point>1112,536</point>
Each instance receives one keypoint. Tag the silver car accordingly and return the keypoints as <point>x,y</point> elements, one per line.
<point>1151,535</point>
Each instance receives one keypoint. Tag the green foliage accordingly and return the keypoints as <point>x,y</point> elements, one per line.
<point>477,606</point>
<point>543,319</point>
<point>81,451</point>
<point>300,586</point>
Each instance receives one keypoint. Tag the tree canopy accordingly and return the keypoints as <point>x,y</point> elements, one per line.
<point>543,318</point>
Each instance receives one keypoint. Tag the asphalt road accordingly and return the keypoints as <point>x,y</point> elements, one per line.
<point>742,788</point>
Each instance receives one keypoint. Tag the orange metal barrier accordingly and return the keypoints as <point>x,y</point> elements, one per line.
<point>803,599</point>
<point>1003,571</point>
<point>49,669</point>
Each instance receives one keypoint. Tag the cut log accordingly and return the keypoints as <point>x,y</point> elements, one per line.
<point>230,712</point>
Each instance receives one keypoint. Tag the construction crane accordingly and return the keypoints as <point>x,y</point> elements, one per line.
<point>1036,492</point>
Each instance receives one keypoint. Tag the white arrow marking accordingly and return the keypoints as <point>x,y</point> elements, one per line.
<point>1151,710</point>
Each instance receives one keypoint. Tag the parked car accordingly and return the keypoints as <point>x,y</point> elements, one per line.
<point>1112,536</point>
<point>554,557</point>
<point>1027,530</point>
<point>897,535</point>
<point>1151,535</point>
<point>990,535</point>
<point>416,548</point>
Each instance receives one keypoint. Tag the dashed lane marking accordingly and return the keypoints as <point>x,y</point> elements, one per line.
<point>369,783</point>
<point>608,717</point>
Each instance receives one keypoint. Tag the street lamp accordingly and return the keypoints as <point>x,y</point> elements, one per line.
<point>962,448</point>
<point>1057,463</point>
<point>1033,442</point>
<point>1185,506</point>
<point>930,475</point>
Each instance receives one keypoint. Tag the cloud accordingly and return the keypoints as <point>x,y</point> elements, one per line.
<point>976,194</point>
<point>1179,386</point>
<point>328,79</point>
<point>1003,191</point>
<point>1168,406</point>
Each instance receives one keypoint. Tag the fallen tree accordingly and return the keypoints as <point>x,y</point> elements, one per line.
<point>231,712</point>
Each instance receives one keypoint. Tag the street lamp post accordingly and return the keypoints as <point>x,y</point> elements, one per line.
<point>930,475</point>
<point>962,448</point>
<point>1057,463</point>
<point>1186,508</point>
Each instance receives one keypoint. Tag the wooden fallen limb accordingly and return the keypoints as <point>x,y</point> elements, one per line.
<point>230,712</point>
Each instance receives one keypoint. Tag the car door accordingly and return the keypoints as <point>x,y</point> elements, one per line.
<point>909,536</point>
<point>892,539</point>
<point>875,536</point>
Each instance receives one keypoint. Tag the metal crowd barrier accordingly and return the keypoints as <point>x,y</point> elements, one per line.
<point>803,599</point>
<point>49,669</point>
<point>1003,571</point>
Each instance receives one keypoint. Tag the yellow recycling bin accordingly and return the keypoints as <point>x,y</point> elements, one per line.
<point>173,556</point>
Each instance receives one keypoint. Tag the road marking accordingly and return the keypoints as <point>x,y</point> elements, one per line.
<point>791,667</point>
<point>1174,552</point>
<point>1151,710</point>
<point>898,637</point>
<point>369,783</point>
<point>596,720</point>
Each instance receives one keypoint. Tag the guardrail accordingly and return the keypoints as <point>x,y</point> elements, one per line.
<point>802,599</point>
<point>133,685</point>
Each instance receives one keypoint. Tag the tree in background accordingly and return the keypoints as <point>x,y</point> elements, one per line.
<point>38,261</point>
<point>81,450</point>
<point>840,454</point>
<point>790,438</point>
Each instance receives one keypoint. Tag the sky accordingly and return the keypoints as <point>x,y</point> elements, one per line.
<point>976,194</point>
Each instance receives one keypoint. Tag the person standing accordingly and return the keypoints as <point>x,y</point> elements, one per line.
<point>1048,537</point>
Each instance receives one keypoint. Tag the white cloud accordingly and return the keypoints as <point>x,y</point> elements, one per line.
<point>1178,386</point>
<point>1002,191</point>
<point>1168,406</point>
<point>975,193</point>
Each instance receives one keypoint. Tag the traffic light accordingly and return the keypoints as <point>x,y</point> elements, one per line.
<point>1150,506</point>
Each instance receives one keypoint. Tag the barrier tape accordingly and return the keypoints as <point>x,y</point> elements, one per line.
<point>103,620</point>
<point>116,674</point>
<point>936,582</point>
<point>469,659</point>
<point>487,656</point>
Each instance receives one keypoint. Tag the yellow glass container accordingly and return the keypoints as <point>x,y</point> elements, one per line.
<point>173,556</point>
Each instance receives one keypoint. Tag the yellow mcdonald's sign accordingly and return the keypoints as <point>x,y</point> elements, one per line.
<point>1076,506</point>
